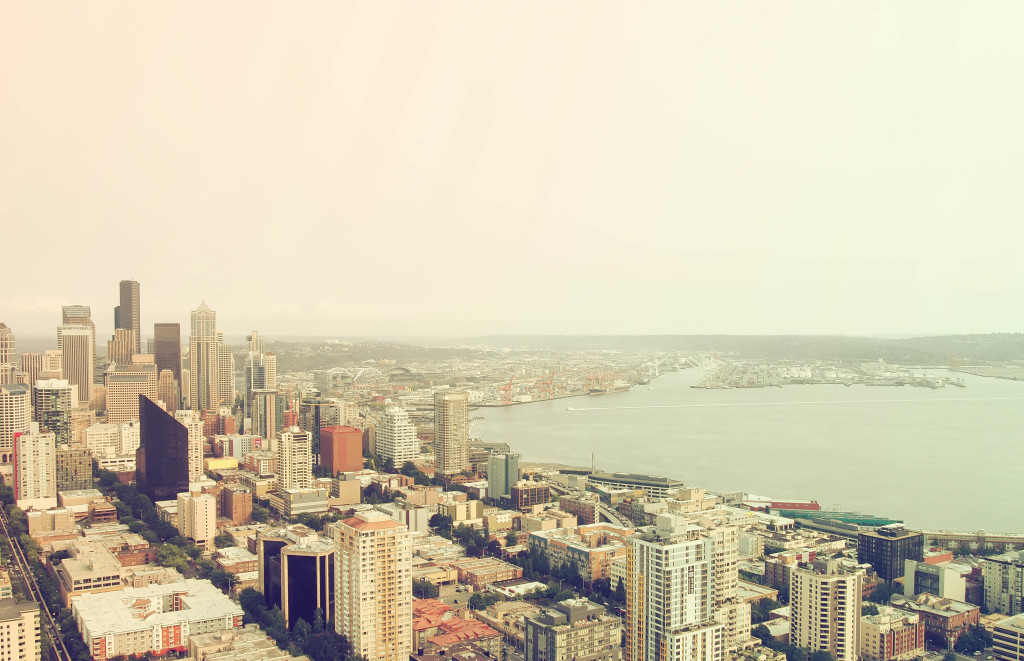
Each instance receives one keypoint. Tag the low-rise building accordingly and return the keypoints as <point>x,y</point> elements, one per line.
<point>891,634</point>
<point>246,644</point>
<point>527,494</point>
<point>290,503</point>
<point>468,513</point>
<point>1008,639</point>
<point>547,520</point>
<point>478,572</point>
<point>235,560</point>
<point>573,629</point>
<point>945,620</point>
<point>586,507</point>
<point>154,620</point>
<point>509,618</point>
<point>592,547</point>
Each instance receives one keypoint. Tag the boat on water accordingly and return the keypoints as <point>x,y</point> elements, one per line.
<point>607,391</point>
<point>959,383</point>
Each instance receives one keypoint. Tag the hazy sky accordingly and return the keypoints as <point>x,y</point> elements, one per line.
<point>459,168</point>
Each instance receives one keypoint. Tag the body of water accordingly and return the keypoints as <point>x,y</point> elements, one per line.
<point>950,458</point>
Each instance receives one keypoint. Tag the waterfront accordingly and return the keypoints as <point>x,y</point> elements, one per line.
<point>949,458</point>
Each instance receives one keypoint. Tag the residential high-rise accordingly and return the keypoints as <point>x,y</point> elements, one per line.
<point>19,630</point>
<point>824,602</point>
<point>121,347</point>
<point>295,460</point>
<point>77,350</point>
<point>192,421</point>
<point>126,315</point>
<point>125,382</point>
<point>167,352</point>
<point>396,437</point>
<point>374,585</point>
<point>197,518</point>
<point>35,469</point>
<point>15,407</point>
<point>225,372</point>
<point>297,572</point>
<point>886,548</point>
<point>1004,582</point>
<point>573,629</point>
<point>502,473</point>
<point>6,344</point>
<point>341,449</point>
<point>670,600</point>
<point>204,363</point>
<point>32,365</point>
<point>451,432</point>
<point>73,468</point>
<point>162,460</point>
<point>315,413</point>
<point>263,411</point>
<point>52,402</point>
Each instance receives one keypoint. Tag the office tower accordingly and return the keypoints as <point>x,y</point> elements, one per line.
<point>295,460</point>
<point>6,344</point>
<point>670,595</point>
<point>125,383</point>
<point>35,470</point>
<point>395,437</point>
<point>74,468</point>
<point>297,572</point>
<point>573,629</point>
<point>315,413</point>
<point>15,407</point>
<point>451,432</point>
<point>32,365</point>
<point>824,602</point>
<point>204,363</point>
<point>263,412</point>
<point>374,586</point>
<point>19,630</point>
<point>186,388</point>
<point>197,518</point>
<point>167,390</point>
<point>502,473</point>
<point>78,315</point>
<point>126,315</point>
<point>167,352</point>
<point>121,347</point>
<point>886,548</point>
<point>53,362</point>
<point>102,439</point>
<point>341,449</point>
<point>162,460</point>
<point>51,407</point>
<point>77,351</point>
<point>225,372</point>
<point>193,422</point>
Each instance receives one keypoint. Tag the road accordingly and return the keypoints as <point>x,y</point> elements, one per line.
<point>60,651</point>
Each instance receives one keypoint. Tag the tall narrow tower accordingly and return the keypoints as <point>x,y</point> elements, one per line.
<point>76,345</point>
<point>126,315</point>
<point>451,432</point>
<point>78,315</point>
<point>204,363</point>
<point>167,355</point>
<point>6,344</point>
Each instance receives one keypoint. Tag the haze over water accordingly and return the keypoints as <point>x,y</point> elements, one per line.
<point>949,458</point>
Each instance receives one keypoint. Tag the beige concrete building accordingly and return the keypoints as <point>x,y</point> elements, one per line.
<point>204,361</point>
<point>121,347</point>
<point>35,466</point>
<point>197,518</point>
<point>825,602</point>
<point>891,634</point>
<point>196,439</point>
<point>77,348</point>
<point>125,382</point>
<point>451,432</point>
<point>374,586</point>
<point>15,415</point>
<point>19,631</point>
<point>574,629</point>
<point>295,460</point>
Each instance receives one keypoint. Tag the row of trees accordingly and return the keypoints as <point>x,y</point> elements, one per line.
<point>792,652</point>
<point>317,639</point>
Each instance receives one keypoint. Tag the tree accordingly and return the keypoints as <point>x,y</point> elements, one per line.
<point>620,592</point>
<point>318,620</point>
<point>301,631</point>
<point>949,656</point>
<point>223,540</point>
<point>868,609</point>
<point>882,593</point>
<point>511,539</point>
<point>476,602</point>
<point>423,589</point>
<point>821,655</point>
<point>259,514</point>
<point>762,633</point>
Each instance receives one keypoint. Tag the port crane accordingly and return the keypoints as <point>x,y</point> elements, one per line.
<point>546,388</point>
<point>506,391</point>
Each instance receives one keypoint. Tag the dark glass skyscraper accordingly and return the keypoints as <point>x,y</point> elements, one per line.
<point>167,350</point>
<point>126,315</point>
<point>161,470</point>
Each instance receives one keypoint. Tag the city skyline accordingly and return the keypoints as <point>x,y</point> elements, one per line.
<point>808,170</point>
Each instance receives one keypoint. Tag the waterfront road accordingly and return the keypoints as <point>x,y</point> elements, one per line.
<point>60,652</point>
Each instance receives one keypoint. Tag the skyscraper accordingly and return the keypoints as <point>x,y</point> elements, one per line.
<point>204,363</point>
<point>374,586</point>
<point>315,413</point>
<point>78,315</point>
<point>125,382</point>
<point>295,460</point>
<point>14,417</point>
<point>121,347</point>
<point>396,437</point>
<point>825,605</point>
<point>6,344</point>
<point>51,407</point>
<point>32,365</point>
<point>126,315</point>
<point>162,460</point>
<point>341,449</point>
<point>194,424</point>
<point>670,595</point>
<point>502,473</point>
<point>263,411</point>
<point>886,548</point>
<point>78,352</point>
<point>297,572</point>
<point>167,352</point>
<point>451,432</point>
<point>226,372</point>
<point>35,472</point>
<point>167,390</point>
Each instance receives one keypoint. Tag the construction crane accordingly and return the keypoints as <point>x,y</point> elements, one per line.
<point>546,388</point>
<point>506,391</point>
